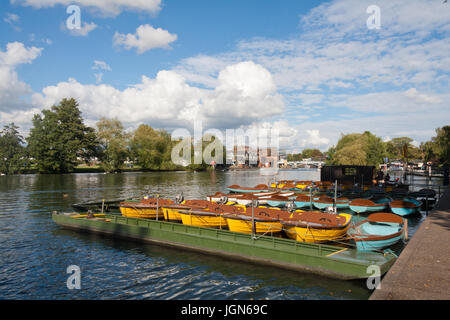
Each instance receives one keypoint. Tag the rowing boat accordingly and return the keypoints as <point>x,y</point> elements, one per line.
<point>405,207</point>
<point>366,205</point>
<point>146,208</point>
<point>239,189</point>
<point>317,226</point>
<point>378,231</point>
<point>324,201</point>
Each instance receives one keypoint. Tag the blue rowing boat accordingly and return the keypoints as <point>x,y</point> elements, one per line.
<point>366,205</point>
<point>378,231</point>
<point>239,189</point>
<point>324,201</point>
<point>405,207</point>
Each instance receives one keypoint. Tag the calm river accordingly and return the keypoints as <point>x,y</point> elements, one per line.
<point>35,252</point>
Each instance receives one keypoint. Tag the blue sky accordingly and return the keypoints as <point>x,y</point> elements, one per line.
<point>311,69</point>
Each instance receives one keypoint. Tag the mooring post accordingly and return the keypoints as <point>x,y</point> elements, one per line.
<point>157,206</point>
<point>253,219</point>
<point>335,197</point>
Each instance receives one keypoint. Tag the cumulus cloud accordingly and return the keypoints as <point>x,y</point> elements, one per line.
<point>145,38</point>
<point>105,7</point>
<point>12,90</point>
<point>245,93</point>
<point>313,139</point>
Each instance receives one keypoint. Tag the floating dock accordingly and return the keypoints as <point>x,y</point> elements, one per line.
<point>422,270</point>
<point>327,260</point>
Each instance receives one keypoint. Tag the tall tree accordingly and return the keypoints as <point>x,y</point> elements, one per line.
<point>151,148</point>
<point>12,151</point>
<point>59,139</point>
<point>357,149</point>
<point>113,142</point>
<point>442,145</point>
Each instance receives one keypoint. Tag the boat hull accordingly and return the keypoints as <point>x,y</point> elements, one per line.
<point>376,245</point>
<point>202,220</point>
<point>245,226</point>
<point>317,235</point>
<point>141,213</point>
<point>363,209</point>
<point>172,215</point>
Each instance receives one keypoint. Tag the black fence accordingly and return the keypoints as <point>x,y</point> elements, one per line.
<point>353,174</point>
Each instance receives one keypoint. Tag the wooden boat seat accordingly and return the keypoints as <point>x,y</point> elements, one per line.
<point>362,202</point>
<point>317,217</point>
<point>402,204</point>
<point>154,201</point>
<point>385,217</point>
<point>302,197</point>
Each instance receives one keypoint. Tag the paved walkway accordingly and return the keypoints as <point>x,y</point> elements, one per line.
<point>423,269</point>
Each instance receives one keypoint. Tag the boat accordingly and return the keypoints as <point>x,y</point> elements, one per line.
<point>203,218</point>
<point>277,201</point>
<point>405,207</point>
<point>110,206</point>
<point>378,231</point>
<point>366,205</point>
<point>203,213</point>
<point>324,201</point>
<point>302,185</point>
<point>239,189</point>
<point>302,201</point>
<point>146,208</point>
<point>316,226</point>
<point>172,212</point>
<point>254,220</point>
<point>426,196</point>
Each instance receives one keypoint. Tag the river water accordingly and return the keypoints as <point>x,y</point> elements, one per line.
<point>35,252</point>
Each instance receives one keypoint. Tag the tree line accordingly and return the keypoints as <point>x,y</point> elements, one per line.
<point>59,142</point>
<point>368,149</point>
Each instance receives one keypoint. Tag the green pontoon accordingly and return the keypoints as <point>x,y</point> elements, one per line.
<point>327,260</point>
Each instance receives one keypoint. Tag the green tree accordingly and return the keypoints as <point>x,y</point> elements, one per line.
<point>357,149</point>
<point>210,144</point>
<point>311,153</point>
<point>12,152</point>
<point>151,148</point>
<point>428,152</point>
<point>59,139</point>
<point>113,144</point>
<point>442,145</point>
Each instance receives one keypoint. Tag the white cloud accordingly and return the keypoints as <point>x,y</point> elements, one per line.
<point>12,90</point>
<point>84,30</point>
<point>314,139</point>
<point>98,77</point>
<point>421,98</point>
<point>145,38</point>
<point>245,93</point>
<point>101,65</point>
<point>105,7</point>
<point>12,19</point>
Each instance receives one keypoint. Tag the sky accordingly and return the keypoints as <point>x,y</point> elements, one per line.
<point>313,70</point>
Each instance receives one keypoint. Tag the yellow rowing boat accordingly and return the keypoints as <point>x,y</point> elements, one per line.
<point>317,226</point>
<point>147,208</point>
